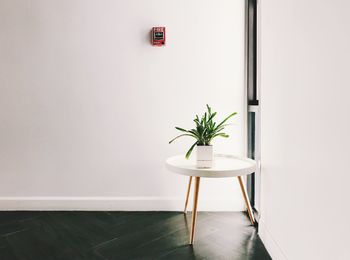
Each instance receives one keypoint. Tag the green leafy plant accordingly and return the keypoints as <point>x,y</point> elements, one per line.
<point>206,130</point>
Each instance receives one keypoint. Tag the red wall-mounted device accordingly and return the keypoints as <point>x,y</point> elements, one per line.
<point>158,36</point>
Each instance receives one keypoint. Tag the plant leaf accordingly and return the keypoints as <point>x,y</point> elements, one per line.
<point>181,129</point>
<point>188,154</point>
<point>212,116</point>
<point>172,140</point>
<point>227,118</point>
<point>209,109</point>
<point>221,135</point>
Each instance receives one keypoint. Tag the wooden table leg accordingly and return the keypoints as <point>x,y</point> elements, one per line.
<point>194,211</point>
<point>188,194</point>
<point>246,199</point>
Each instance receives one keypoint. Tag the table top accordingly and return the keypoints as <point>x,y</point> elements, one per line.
<point>223,166</point>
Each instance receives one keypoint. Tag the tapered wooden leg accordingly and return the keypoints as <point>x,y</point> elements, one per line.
<point>246,199</point>
<point>188,194</point>
<point>194,211</point>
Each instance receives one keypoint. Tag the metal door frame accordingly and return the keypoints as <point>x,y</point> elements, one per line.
<point>253,101</point>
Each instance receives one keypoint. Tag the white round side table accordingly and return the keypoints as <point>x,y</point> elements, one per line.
<point>223,166</point>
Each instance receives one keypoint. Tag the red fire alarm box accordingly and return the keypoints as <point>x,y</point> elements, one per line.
<point>158,36</point>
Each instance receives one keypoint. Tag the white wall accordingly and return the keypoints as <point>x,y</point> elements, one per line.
<point>305,128</point>
<point>87,105</point>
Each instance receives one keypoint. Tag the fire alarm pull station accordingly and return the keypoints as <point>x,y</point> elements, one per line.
<point>158,36</point>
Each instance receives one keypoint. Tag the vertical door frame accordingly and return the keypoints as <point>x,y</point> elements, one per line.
<point>253,100</point>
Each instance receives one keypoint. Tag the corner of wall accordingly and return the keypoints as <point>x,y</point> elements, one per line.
<point>270,243</point>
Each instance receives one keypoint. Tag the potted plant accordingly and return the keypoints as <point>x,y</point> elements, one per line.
<point>205,131</point>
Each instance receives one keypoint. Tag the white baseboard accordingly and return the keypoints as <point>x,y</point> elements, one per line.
<point>114,204</point>
<point>270,243</point>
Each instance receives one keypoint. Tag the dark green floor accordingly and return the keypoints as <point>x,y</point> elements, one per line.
<point>126,235</point>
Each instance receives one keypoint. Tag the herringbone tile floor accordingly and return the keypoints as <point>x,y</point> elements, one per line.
<point>127,235</point>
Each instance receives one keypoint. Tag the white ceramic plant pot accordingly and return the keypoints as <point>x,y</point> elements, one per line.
<point>204,156</point>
